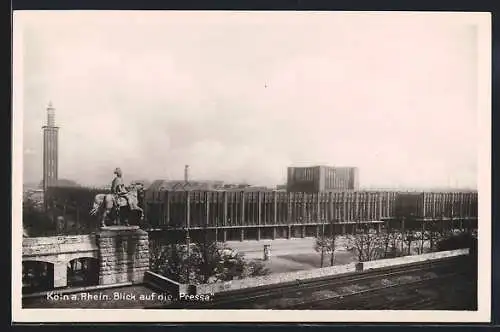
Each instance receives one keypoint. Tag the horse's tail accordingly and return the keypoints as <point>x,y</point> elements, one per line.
<point>98,201</point>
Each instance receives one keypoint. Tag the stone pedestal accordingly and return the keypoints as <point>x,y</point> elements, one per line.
<point>123,254</point>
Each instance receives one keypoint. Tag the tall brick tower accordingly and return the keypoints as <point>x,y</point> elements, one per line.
<point>50,149</point>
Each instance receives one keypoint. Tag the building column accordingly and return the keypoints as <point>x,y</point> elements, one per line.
<point>242,208</point>
<point>224,216</point>
<point>207,209</point>
<point>422,235</point>
<point>289,235</point>
<point>275,204</point>
<point>258,234</point>
<point>402,234</point>
<point>60,275</point>
<point>330,205</point>
<point>167,208</point>
<point>274,233</point>
<point>242,234</point>
<point>303,233</point>
<point>224,235</point>
<point>259,208</point>
<point>317,231</point>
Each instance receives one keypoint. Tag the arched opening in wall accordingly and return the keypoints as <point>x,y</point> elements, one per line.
<point>37,276</point>
<point>83,272</point>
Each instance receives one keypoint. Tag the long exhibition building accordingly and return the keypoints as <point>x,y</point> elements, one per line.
<point>240,215</point>
<point>267,214</point>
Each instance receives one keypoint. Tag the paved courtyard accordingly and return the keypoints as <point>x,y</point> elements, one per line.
<point>290,255</point>
<point>297,262</point>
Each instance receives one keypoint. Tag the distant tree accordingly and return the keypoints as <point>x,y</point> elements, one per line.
<point>36,222</point>
<point>325,244</point>
<point>409,237</point>
<point>444,227</point>
<point>457,241</point>
<point>256,268</point>
<point>411,233</point>
<point>229,265</point>
<point>215,261</point>
<point>170,261</point>
<point>432,234</point>
<point>206,263</point>
<point>366,243</point>
<point>389,239</point>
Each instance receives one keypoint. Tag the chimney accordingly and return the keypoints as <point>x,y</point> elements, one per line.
<point>186,173</point>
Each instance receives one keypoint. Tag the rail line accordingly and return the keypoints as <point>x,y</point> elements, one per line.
<point>373,298</point>
<point>241,298</point>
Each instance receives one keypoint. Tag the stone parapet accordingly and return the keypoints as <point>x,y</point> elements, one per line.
<point>55,245</point>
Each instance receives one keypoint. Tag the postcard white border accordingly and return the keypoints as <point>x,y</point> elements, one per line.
<point>19,315</point>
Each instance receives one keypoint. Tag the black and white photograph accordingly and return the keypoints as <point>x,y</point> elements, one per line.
<point>285,166</point>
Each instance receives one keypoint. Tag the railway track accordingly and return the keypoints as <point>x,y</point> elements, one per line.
<point>248,297</point>
<point>377,298</point>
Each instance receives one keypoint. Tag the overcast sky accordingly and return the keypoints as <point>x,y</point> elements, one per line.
<point>241,96</point>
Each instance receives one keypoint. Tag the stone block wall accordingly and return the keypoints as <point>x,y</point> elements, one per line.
<point>59,251</point>
<point>123,255</point>
<point>55,245</point>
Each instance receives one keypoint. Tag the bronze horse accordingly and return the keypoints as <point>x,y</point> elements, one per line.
<point>106,206</point>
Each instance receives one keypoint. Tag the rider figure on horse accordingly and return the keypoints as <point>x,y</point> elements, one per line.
<point>118,188</point>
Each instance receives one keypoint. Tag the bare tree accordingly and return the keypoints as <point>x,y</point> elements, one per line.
<point>325,244</point>
<point>432,234</point>
<point>389,239</point>
<point>409,237</point>
<point>444,227</point>
<point>366,242</point>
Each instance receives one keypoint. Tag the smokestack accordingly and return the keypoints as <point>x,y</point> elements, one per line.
<point>186,173</point>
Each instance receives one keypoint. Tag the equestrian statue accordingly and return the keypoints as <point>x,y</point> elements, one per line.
<point>117,206</point>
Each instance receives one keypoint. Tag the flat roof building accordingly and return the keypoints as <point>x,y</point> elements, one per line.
<point>322,178</point>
